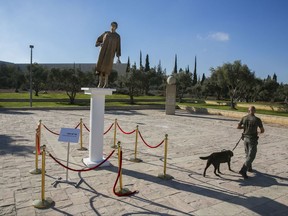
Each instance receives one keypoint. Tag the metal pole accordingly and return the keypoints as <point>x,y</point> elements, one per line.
<point>30,74</point>
<point>68,151</point>
<point>43,174</point>
<point>115,131</point>
<point>81,133</point>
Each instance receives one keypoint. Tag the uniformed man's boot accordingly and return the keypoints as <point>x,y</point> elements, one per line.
<point>243,172</point>
<point>250,168</point>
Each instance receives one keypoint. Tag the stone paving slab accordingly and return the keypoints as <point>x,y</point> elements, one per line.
<point>189,193</point>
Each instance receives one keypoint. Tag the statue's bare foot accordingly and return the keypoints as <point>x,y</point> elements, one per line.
<point>105,85</point>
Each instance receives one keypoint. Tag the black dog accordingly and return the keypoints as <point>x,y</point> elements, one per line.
<point>216,158</point>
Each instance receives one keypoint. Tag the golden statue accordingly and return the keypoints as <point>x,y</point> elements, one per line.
<point>110,44</point>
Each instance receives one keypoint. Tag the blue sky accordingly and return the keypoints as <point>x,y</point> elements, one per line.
<point>216,31</point>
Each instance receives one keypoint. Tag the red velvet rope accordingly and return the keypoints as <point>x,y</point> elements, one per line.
<point>114,188</point>
<point>86,127</point>
<point>55,132</point>
<point>38,144</point>
<point>104,132</point>
<point>77,126</point>
<point>81,170</point>
<point>50,130</point>
<point>124,131</point>
<point>109,128</point>
<point>148,144</point>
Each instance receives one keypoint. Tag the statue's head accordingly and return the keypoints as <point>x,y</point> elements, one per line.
<point>114,25</point>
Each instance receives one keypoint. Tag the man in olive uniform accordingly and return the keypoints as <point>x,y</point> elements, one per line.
<point>110,45</point>
<point>250,123</point>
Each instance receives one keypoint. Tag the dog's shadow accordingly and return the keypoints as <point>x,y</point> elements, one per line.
<point>230,175</point>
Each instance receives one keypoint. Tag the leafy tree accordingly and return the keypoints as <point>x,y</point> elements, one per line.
<point>217,84</point>
<point>183,83</point>
<point>39,77</point>
<point>69,80</point>
<point>133,82</point>
<point>11,77</point>
<point>269,90</point>
<point>235,77</point>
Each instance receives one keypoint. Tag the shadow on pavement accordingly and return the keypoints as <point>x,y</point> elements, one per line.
<point>254,204</point>
<point>9,145</point>
<point>264,180</point>
<point>204,116</point>
<point>124,112</point>
<point>8,111</point>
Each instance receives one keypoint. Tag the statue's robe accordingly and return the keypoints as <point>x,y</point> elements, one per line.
<point>110,45</point>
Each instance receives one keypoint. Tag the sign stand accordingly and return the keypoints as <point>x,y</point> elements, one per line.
<point>97,108</point>
<point>67,135</point>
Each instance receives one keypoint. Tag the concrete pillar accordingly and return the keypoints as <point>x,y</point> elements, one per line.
<point>97,108</point>
<point>170,96</point>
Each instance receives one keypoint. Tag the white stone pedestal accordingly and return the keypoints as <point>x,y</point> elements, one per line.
<point>97,108</point>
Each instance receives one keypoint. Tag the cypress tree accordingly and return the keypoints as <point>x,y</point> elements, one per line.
<point>147,64</point>
<point>195,73</point>
<point>141,65</point>
<point>175,65</point>
<point>203,78</point>
<point>128,65</point>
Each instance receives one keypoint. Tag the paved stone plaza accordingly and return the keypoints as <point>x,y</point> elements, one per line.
<point>189,193</point>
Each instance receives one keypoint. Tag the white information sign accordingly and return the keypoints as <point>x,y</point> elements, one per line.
<point>70,135</point>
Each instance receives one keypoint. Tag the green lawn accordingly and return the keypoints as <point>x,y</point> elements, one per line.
<point>63,95</point>
<point>81,95</point>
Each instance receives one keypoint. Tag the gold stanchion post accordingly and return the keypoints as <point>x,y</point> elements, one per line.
<point>135,159</point>
<point>38,130</point>
<point>115,132</point>
<point>37,143</point>
<point>43,203</point>
<point>164,175</point>
<point>120,188</point>
<point>81,137</point>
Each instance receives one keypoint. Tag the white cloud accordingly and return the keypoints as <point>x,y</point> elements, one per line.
<point>217,36</point>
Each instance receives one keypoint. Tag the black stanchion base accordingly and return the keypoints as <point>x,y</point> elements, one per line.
<point>43,204</point>
<point>82,149</point>
<point>136,160</point>
<point>165,176</point>
<point>122,191</point>
<point>35,171</point>
<point>114,146</point>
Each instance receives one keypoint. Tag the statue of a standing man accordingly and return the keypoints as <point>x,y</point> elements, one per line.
<point>110,45</point>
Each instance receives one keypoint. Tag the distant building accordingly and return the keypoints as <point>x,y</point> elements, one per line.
<point>85,67</point>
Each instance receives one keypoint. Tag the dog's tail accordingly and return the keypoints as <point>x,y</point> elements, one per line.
<point>204,158</point>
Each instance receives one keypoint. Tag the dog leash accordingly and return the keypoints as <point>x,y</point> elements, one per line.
<point>238,142</point>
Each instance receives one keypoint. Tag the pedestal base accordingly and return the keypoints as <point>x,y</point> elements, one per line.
<point>89,163</point>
